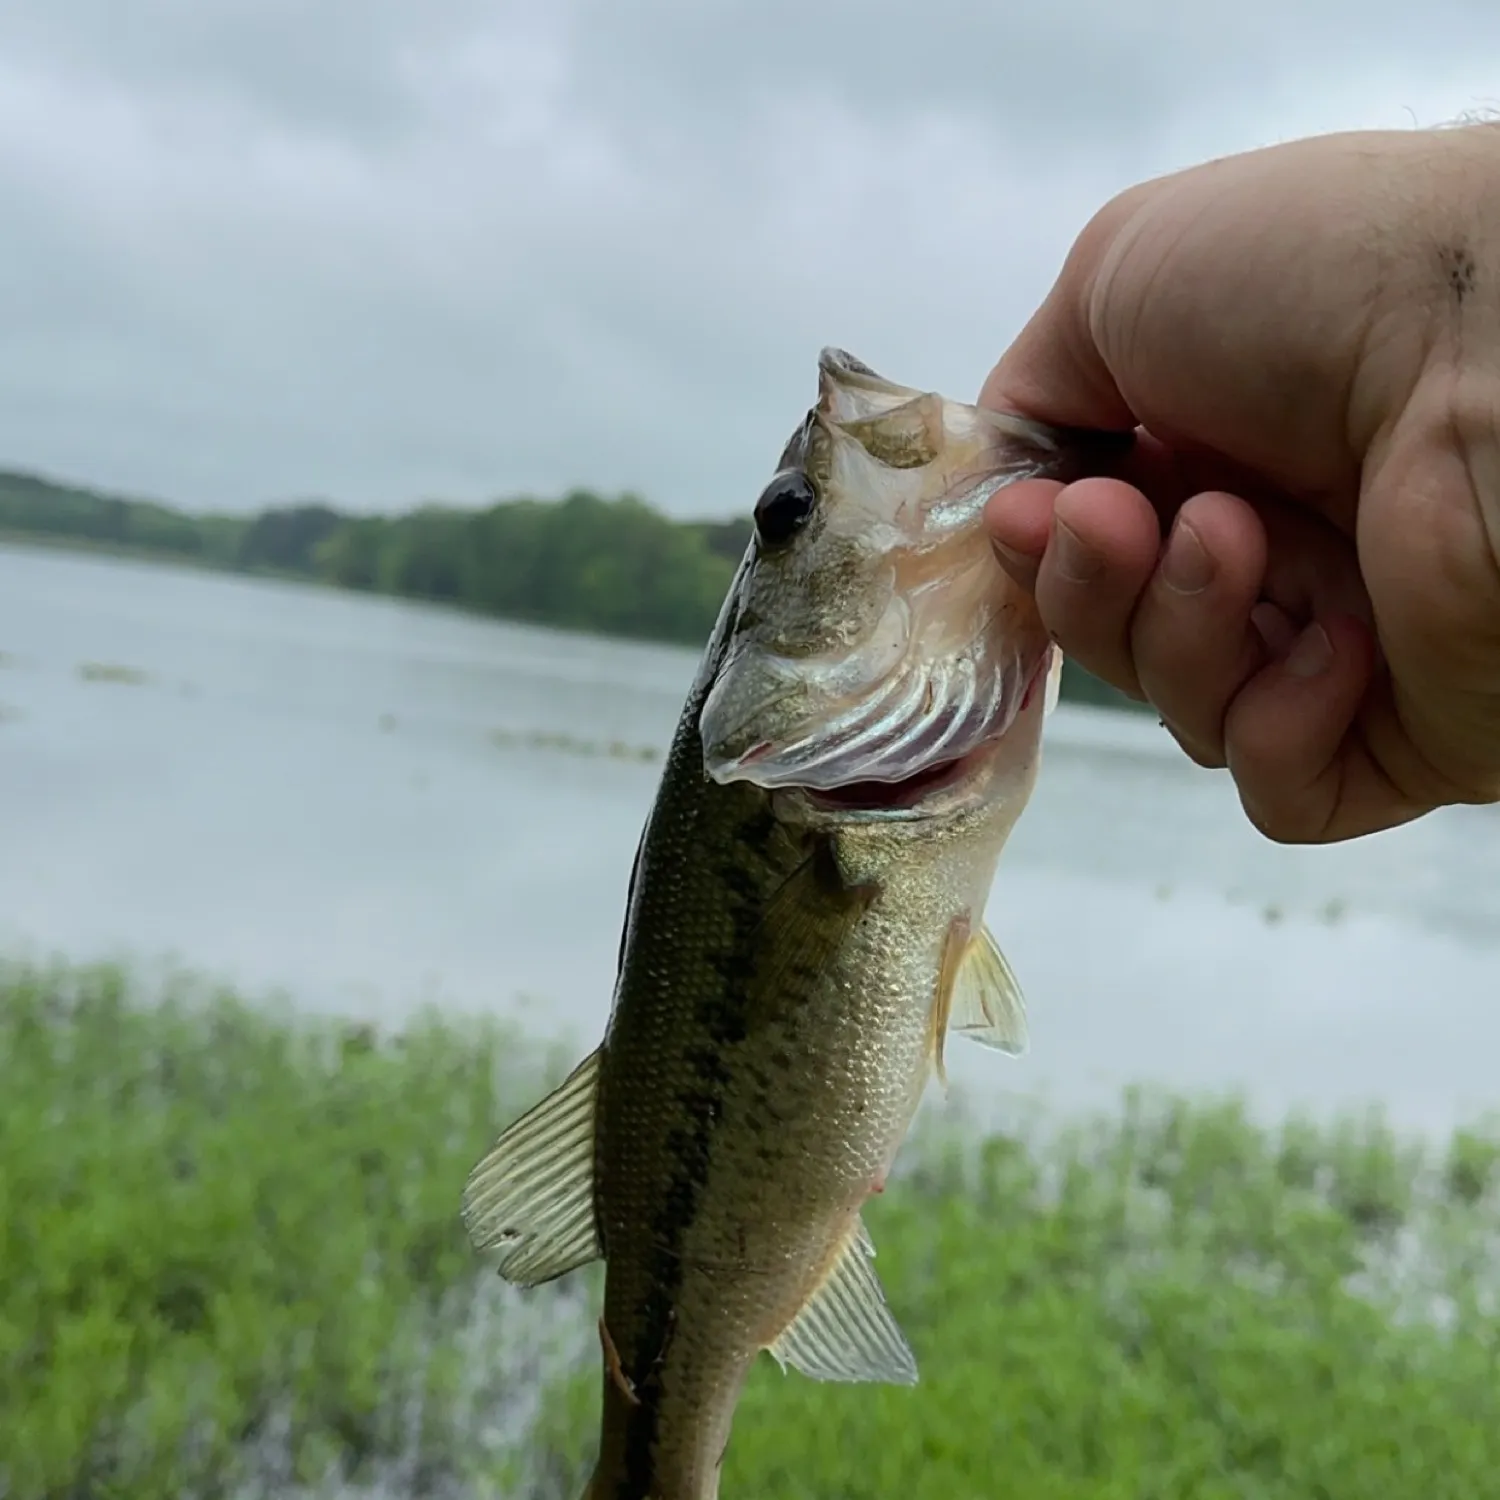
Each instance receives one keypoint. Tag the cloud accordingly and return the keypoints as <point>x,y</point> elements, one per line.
<point>378,251</point>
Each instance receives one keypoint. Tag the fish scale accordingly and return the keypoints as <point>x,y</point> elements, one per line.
<point>793,957</point>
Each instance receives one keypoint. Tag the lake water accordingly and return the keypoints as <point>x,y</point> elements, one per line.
<point>371,805</point>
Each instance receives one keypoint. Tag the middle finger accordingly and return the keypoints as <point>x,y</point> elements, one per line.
<point>1192,638</point>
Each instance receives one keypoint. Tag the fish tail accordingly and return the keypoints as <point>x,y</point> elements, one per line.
<point>608,1479</point>
<point>618,1474</point>
<point>598,1488</point>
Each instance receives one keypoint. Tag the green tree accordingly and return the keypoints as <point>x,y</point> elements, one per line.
<point>584,562</point>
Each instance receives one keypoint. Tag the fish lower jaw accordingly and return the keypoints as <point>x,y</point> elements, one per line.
<point>929,785</point>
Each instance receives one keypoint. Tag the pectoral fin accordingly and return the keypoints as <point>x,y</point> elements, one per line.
<point>845,1331</point>
<point>988,1006</point>
<point>805,924</point>
<point>532,1197</point>
<point>977,995</point>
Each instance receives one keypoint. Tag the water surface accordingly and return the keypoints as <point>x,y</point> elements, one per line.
<point>372,804</point>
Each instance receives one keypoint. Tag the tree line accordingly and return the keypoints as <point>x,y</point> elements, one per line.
<point>615,566</point>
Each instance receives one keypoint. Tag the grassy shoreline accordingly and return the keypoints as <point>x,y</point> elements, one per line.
<point>231,1264</point>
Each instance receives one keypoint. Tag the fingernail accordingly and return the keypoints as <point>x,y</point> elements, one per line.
<point>1311,655</point>
<point>1274,628</point>
<point>1075,561</point>
<point>1187,568</point>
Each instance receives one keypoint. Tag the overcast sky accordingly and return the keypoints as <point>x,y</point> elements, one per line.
<point>386,250</point>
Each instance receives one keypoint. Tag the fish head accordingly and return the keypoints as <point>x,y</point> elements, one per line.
<point>875,650</point>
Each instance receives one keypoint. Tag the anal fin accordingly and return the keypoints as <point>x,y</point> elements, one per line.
<point>532,1197</point>
<point>845,1331</point>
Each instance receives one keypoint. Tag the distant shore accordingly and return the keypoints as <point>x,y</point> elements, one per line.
<point>611,567</point>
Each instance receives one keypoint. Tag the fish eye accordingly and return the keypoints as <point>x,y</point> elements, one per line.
<point>783,507</point>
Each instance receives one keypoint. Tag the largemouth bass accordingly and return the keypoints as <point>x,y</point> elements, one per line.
<point>804,927</point>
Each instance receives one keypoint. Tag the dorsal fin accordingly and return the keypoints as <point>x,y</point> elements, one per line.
<point>532,1197</point>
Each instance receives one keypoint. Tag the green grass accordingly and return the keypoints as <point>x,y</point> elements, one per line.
<point>1172,1302</point>
<point>229,1247</point>
<point>230,1263</point>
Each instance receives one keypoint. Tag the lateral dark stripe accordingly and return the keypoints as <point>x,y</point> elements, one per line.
<point>746,825</point>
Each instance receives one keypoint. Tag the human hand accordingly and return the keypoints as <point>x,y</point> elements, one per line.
<point>1307,339</point>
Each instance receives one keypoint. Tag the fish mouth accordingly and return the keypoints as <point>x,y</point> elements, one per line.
<point>905,795</point>
<point>913,780</point>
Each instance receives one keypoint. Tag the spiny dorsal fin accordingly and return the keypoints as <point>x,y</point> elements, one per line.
<point>532,1197</point>
<point>987,1005</point>
<point>845,1331</point>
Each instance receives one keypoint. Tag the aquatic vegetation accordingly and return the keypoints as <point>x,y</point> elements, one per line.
<point>570,744</point>
<point>105,671</point>
<point>230,1261</point>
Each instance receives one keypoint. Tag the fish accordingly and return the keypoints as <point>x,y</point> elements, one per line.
<point>804,928</point>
